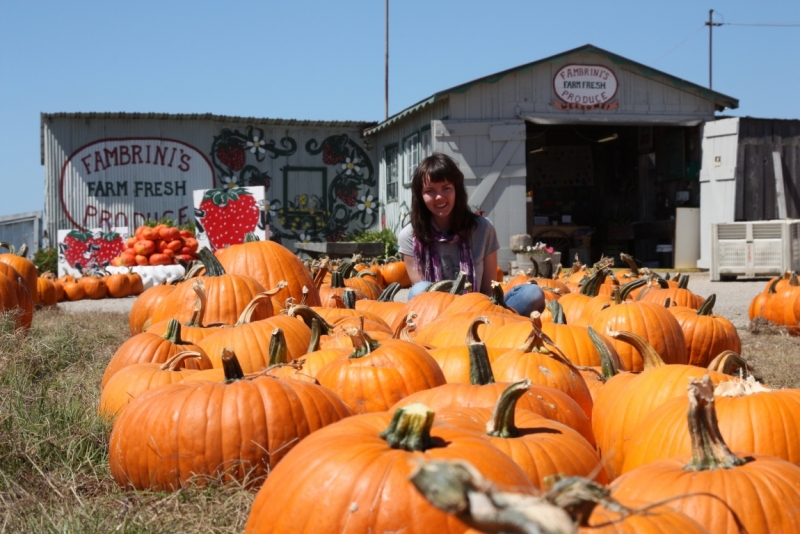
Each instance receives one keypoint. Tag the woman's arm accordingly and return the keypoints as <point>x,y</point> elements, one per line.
<point>489,272</point>
<point>412,272</point>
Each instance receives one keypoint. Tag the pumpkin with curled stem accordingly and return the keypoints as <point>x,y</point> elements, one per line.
<point>201,431</point>
<point>354,476</point>
<point>152,348</point>
<point>725,492</point>
<point>541,447</point>
<point>378,374</point>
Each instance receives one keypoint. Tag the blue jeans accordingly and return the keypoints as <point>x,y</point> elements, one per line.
<point>525,299</point>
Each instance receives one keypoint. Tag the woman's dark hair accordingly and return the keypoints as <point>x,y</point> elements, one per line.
<point>438,168</point>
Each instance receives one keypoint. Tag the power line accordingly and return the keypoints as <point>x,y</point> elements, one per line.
<point>757,24</point>
<point>679,44</point>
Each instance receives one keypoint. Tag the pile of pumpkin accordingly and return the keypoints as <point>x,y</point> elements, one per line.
<point>158,245</point>
<point>307,385</point>
<point>778,303</point>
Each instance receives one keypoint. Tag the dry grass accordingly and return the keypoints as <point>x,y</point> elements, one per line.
<point>774,354</point>
<point>54,474</point>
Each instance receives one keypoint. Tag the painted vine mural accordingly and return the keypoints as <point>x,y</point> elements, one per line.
<point>347,203</point>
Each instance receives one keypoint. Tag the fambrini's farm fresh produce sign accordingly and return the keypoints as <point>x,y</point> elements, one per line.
<point>585,87</point>
<point>123,182</point>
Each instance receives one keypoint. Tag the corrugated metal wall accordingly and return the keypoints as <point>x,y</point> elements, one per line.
<point>319,178</point>
<point>755,170</point>
<point>22,228</point>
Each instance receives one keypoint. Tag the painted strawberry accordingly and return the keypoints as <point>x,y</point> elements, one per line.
<point>227,214</point>
<point>348,196</point>
<point>232,155</point>
<point>75,248</point>
<point>333,154</point>
<point>109,246</point>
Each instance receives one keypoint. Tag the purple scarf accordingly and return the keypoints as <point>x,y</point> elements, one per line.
<point>428,263</point>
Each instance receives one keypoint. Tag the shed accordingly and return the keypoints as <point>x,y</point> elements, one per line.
<point>121,169</point>
<point>582,148</point>
<point>22,229</point>
<point>739,179</point>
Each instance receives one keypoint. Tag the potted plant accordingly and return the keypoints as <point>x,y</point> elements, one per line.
<point>537,253</point>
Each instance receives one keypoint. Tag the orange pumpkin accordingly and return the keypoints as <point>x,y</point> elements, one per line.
<point>239,429</point>
<point>25,267</point>
<point>145,304</point>
<point>382,449</point>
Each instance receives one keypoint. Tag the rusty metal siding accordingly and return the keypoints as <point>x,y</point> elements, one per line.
<point>65,134</point>
<point>395,213</point>
<point>22,229</point>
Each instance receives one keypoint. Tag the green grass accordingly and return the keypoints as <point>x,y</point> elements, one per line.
<point>54,474</point>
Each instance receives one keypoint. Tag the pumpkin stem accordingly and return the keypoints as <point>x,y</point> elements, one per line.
<point>625,289</point>
<point>211,263</point>
<point>199,311</point>
<point>591,285</point>
<point>729,363</point>
<point>650,357</point>
<point>349,298</point>
<point>502,424</point>
<point>319,278</point>
<point>307,314</point>
<point>548,268</point>
<point>409,321</point>
<point>231,367</point>
<point>277,348</point>
<point>176,362</point>
<point>630,263</point>
<point>246,317</point>
<point>173,333</point>
<point>363,345</point>
<point>337,280</point>
<point>472,332</point>
<point>610,364</point>
<point>709,451</point>
<point>535,268</point>
<point>557,311</point>
<point>615,296</point>
<point>389,293</point>
<point>498,297</point>
<point>480,368</point>
<point>707,307</point>
<point>251,237</point>
<point>683,281</point>
<point>410,428</point>
<point>313,344</point>
<point>23,251</point>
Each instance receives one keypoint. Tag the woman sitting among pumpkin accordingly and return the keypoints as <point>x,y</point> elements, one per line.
<point>446,237</point>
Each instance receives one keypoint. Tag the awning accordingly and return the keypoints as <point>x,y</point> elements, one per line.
<point>615,119</point>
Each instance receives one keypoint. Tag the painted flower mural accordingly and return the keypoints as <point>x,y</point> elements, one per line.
<point>333,198</point>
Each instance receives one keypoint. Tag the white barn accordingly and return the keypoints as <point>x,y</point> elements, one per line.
<point>586,150</point>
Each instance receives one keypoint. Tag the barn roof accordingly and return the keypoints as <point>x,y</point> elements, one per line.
<point>720,100</point>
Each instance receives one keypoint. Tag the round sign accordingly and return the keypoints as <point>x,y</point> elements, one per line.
<point>585,85</point>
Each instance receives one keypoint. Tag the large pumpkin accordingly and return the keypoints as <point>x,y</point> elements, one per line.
<point>353,476</point>
<point>541,447</point>
<point>24,266</point>
<point>377,375</point>
<point>269,263</point>
<point>707,335</point>
<point>233,430</point>
<point>724,492</point>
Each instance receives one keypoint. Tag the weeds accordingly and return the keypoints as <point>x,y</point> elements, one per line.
<point>54,474</point>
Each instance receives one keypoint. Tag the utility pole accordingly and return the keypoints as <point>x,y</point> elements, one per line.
<point>387,63</point>
<point>710,25</point>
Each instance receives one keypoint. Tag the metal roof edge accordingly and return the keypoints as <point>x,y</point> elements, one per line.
<point>725,101</point>
<point>21,216</point>
<point>400,115</point>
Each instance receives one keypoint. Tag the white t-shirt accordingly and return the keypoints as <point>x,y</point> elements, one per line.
<point>483,241</point>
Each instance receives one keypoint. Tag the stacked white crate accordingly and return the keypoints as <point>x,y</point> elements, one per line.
<point>756,248</point>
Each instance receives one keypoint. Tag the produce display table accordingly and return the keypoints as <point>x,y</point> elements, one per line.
<point>152,276</point>
<point>342,249</point>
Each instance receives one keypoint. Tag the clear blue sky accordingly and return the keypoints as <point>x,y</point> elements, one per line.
<point>324,59</point>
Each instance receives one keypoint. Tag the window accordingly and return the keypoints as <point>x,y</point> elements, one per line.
<point>390,156</point>
<point>410,157</point>
<point>425,145</point>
